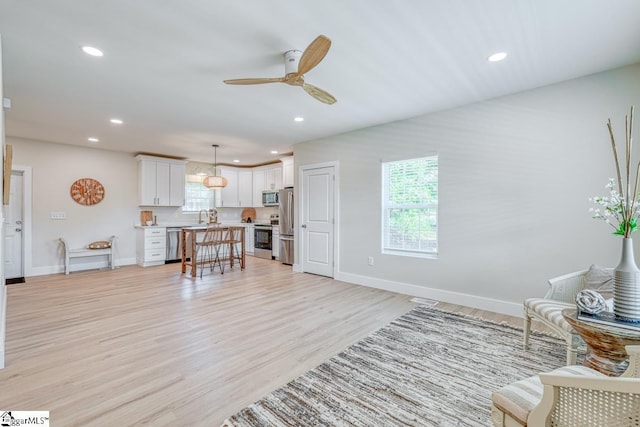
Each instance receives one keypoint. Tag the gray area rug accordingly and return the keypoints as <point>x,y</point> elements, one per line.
<point>426,368</point>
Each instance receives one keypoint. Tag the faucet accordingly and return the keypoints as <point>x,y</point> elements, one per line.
<point>200,221</point>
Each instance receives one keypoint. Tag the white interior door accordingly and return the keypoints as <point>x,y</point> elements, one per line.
<point>318,220</point>
<point>13,229</point>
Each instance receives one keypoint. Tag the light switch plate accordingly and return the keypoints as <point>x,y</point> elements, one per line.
<point>58,215</point>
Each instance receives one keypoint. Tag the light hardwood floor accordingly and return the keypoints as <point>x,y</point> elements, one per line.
<point>137,346</point>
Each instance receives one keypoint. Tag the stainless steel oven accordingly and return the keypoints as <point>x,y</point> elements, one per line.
<point>263,241</point>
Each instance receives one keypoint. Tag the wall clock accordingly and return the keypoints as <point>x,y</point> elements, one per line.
<point>87,191</point>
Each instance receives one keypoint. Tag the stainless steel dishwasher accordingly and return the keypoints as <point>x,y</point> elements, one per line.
<point>174,245</point>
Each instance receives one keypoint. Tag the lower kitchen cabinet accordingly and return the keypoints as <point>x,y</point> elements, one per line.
<point>249,239</point>
<point>151,246</point>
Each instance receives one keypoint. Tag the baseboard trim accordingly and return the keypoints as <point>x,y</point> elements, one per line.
<point>57,269</point>
<point>488,304</point>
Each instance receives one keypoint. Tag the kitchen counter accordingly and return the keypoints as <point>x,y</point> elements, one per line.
<point>190,224</point>
<point>189,237</point>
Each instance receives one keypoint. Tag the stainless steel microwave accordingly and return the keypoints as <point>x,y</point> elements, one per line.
<point>270,198</point>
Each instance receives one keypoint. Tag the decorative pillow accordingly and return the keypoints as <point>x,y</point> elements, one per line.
<point>600,279</point>
<point>100,244</point>
<point>590,301</point>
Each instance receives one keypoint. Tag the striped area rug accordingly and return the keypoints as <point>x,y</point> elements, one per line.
<point>426,368</point>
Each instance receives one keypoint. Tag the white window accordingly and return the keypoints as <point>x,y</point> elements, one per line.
<point>196,195</point>
<point>410,207</point>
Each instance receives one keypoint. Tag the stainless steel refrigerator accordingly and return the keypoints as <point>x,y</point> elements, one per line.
<point>285,221</point>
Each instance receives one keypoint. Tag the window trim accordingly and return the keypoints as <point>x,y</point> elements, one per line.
<point>195,179</point>
<point>385,206</point>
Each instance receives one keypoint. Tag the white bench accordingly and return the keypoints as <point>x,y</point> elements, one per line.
<point>86,252</point>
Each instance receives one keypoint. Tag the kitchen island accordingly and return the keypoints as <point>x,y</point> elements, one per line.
<point>190,234</point>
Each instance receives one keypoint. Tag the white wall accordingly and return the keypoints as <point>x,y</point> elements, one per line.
<point>3,288</point>
<point>55,167</point>
<point>515,177</point>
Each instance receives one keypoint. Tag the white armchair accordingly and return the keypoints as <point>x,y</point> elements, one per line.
<point>572,396</point>
<point>548,310</point>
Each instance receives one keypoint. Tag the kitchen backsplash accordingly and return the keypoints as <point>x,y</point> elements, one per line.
<point>170,215</point>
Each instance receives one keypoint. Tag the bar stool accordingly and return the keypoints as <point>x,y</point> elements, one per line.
<point>234,240</point>
<point>208,250</point>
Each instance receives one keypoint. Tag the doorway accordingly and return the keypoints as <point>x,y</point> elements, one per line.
<point>17,226</point>
<point>318,220</point>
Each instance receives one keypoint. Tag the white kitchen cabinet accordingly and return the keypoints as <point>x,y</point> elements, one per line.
<point>258,186</point>
<point>245,188</point>
<point>239,189</point>
<point>151,246</point>
<point>249,239</point>
<point>275,243</point>
<point>177,178</point>
<point>160,181</point>
<point>266,178</point>
<point>277,177</point>
<point>273,178</point>
<point>229,194</point>
<point>287,171</point>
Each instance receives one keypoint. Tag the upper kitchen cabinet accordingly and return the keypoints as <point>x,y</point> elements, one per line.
<point>229,194</point>
<point>239,190</point>
<point>287,171</point>
<point>245,188</point>
<point>266,178</point>
<point>274,178</point>
<point>160,181</point>
<point>258,186</point>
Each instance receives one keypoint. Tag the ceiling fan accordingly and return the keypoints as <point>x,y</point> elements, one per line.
<point>296,65</point>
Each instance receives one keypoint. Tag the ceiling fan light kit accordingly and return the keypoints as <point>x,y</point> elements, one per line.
<point>296,65</point>
<point>291,61</point>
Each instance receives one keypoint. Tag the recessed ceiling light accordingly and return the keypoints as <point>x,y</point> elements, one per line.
<point>92,139</point>
<point>90,50</point>
<point>236,161</point>
<point>274,152</point>
<point>298,119</point>
<point>116,121</point>
<point>499,56</point>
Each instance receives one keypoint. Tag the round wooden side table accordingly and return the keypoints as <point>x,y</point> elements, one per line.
<point>605,344</point>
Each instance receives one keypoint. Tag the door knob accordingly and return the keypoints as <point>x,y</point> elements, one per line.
<point>18,229</point>
<point>304,225</point>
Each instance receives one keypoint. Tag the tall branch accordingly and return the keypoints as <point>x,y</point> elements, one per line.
<point>615,157</point>
<point>628,162</point>
<point>634,208</point>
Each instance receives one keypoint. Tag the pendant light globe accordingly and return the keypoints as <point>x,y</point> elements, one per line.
<point>214,181</point>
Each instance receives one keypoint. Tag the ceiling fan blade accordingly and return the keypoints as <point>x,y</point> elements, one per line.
<point>313,54</point>
<point>254,81</point>
<point>319,94</point>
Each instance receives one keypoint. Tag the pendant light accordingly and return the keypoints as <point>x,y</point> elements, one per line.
<point>215,181</point>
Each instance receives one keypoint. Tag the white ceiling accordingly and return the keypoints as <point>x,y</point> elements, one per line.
<point>165,61</point>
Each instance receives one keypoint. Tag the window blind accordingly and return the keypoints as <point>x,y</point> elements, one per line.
<point>196,195</point>
<point>410,207</point>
